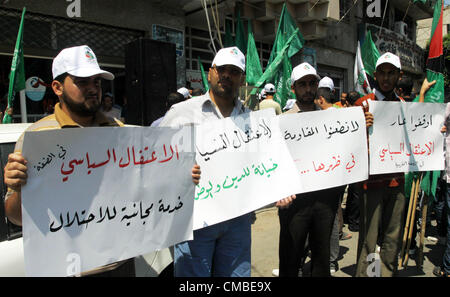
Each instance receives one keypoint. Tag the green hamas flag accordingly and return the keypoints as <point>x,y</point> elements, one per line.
<point>435,70</point>
<point>17,74</point>
<point>369,54</point>
<point>273,67</point>
<point>240,35</point>
<point>228,42</point>
<point>253,66</point>
<point>204,78</point>
<point>281,78</point>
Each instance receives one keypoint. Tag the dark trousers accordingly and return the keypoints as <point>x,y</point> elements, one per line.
<point>351,214</point>
<point>310,214</point>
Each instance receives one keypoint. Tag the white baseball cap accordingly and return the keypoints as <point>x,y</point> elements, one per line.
<point>230,56</point>
<point>326,82</point>
<point>302,70</point>
<point>269,88</point>
<point>78,61</point>
<point>389,58</point>
<point>185,92</point>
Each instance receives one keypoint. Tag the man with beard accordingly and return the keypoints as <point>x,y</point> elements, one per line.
<point>382,202</point>
<point>311,215</point>
<point>77,83</point>
<point>223,249</point>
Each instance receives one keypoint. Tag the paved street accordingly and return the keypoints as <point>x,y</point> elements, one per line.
<point>265,234</point>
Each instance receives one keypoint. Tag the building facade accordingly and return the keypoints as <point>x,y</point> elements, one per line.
<point>331,29</point>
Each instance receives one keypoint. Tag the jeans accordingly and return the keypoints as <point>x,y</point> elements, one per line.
<point>446,258</point>
<point>334,241</point>
<point>220,250</point>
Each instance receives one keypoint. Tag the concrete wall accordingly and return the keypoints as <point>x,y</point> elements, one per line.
<point>424,28</point>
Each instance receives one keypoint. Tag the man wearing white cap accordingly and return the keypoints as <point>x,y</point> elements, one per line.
<point>268,102</point>
<point>312,214</point>
<point>304,82</point>
<point>223,249</point>
<point>76,81</point>
<point>382,202</point>
<point>185,92</point>
<point>326,82</point>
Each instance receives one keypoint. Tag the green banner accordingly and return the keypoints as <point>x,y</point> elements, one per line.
<point>17,74</point>
<point>253,66</point>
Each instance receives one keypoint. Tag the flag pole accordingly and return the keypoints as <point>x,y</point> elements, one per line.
<point>23,107</point>
<point>17,75</point>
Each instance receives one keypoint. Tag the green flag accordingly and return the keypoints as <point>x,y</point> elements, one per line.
<point>286,27</point>
<point>285,31</point>
<point>228,42</point>
<point>435,71</point>
<point>17,74</point>
<point>273,67</point>
<point>253,66</point>
<point>369,54</point>
<point>241,43</point>
<point>204,78</point>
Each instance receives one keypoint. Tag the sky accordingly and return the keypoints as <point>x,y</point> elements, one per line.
<point>446,2</point>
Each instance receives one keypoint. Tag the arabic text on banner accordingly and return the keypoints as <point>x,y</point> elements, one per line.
<point>101,195</point>
<point>406,137</point>
<point>245,165</point>
<point>328,147</point>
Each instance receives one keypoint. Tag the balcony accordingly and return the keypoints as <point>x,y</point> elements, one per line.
<point>311,16</point>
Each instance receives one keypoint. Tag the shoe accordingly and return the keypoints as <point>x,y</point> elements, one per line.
<point>345,236</point>
<point>437,271</point>
<point>333,268</point>
<point>432,239</point>
<point>276,272</point>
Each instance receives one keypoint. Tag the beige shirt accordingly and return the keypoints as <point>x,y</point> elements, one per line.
<point>270,103</point>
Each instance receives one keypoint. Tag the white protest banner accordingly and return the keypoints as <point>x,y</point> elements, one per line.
<point>329,147</point>
<point>245,165</point>
<point>406,137</point>
<point>100,195</point>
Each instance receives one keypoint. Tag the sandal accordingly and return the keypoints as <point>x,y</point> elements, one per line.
<point>437,271</point>
<point>345,236</point>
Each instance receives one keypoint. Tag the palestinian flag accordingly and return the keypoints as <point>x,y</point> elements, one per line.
<point>435,62</point>
<point>435,71</point>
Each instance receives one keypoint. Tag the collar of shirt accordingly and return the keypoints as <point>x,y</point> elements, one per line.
<point>381,97</point>
<point>296,108</point>
<point>66,121</point>
<point>207,102</point>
